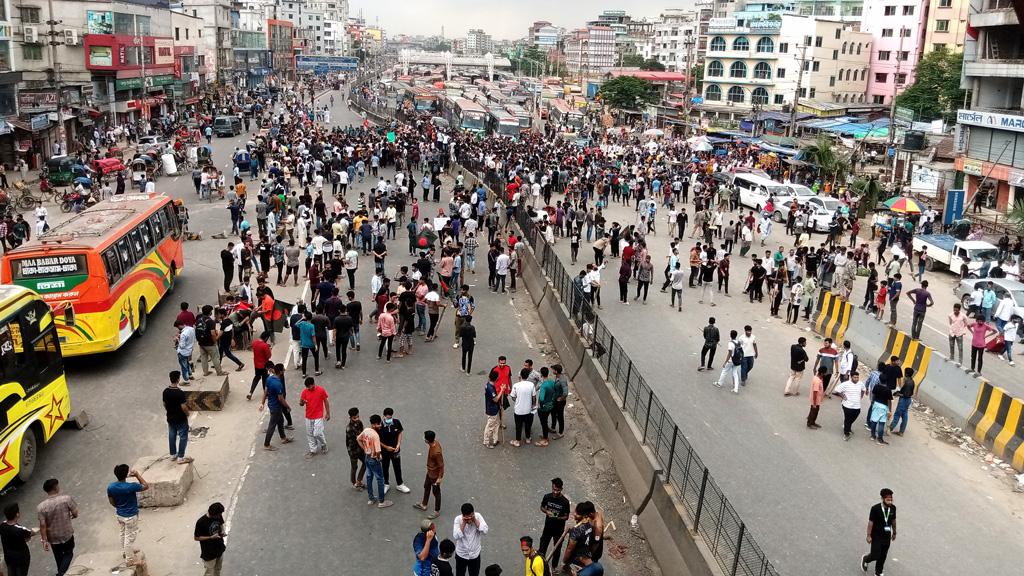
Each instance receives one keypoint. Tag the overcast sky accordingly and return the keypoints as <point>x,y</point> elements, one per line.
<point>502,19</point>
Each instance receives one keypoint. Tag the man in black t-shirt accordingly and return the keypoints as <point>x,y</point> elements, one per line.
<point>355,311</point>
<point>227,263</point>
<point>891,373</point>
<point>177,418</point>
<point>207,334</point>
<point>581,536</point>
<point>210,535</point>
<point>881,532</point>
<point>555,507</point>
<point>342,326</point>
<point>14,539</point>
<point>226,333</point>
<point>391,448</point>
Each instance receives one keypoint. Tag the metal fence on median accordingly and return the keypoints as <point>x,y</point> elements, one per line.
<point>708,511</point>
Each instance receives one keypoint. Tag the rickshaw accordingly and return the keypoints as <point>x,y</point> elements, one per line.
<point>60,170</point>
<point>115,152</point>
<point>108,166</point>
<point>144,165</point>
<point>242,160</point>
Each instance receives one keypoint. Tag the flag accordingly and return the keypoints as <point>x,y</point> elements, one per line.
<point>425,239</point>
<point>277,317</point>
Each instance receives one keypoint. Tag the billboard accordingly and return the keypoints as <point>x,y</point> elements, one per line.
<point>163,51</point>
<point>99,22</point>
<point>325,64</point>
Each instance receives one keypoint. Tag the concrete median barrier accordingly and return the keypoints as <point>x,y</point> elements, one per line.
<point>833,316</point>
<point>997,423</point>
<point>912,352</point>
<point>207,393</point>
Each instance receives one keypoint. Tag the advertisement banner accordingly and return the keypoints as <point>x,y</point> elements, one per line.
<point>101,56</point>
<point>163,51</point>
<point>99,22</point>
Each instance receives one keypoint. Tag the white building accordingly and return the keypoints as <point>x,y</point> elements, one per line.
<point>217,47</point>
<point>590,50</point>
<point>543,35</point>
<point>478,42</point>
<point>673,41</point>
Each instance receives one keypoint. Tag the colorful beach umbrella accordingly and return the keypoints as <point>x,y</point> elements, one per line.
<point>903,205</point>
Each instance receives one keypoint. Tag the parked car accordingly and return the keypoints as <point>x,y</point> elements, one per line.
<point>154,142</point>
<point>227,126</point>
<point>1000,285</point>
<point>823,209</point>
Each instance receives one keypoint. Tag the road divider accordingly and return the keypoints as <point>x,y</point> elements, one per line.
<point>912,353</point>
<point>997,424</point>
<point>833,316</point>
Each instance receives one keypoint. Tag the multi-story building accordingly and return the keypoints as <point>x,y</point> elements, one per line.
<point>253,60</point>
<point>543,35</point>
<point>897,30</point>
<point>673,41</point>
<point>279,42</point>
<point>947,25</point>
<point>843,10</point>
<point>216,48</point>
<point>990,135</point>
<point>590,50</point>
<point>478,42</point>
<point>759,62</point>
<point>630,34</point>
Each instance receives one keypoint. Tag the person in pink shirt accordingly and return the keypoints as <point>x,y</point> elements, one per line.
<point>957,331</point>
<point>979,332</point>
<point>421,305</point>
<point>386,330</point>
<point>817,395</point>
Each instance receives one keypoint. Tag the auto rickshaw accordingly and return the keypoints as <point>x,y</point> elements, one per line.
<point>61,170</point>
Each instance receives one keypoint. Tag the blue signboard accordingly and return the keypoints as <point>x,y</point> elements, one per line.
<point>954,209</point>
<point>325,64</point>
<point>696,100</point>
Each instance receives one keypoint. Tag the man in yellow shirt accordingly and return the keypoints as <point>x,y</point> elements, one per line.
<point>534,562</point>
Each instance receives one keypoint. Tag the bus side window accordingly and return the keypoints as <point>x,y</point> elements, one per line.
<point>113,266</point>
<point>137,246</point>
<point>158,228</point>
<point>172,220</point>
<point>147,235</point>
<point>13,361</point>
<point>124,253</point>
<point>47,360</point>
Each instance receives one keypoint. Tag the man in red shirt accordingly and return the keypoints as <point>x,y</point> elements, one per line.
<point>186,317</point>
<point>318,410</point>
<point>260,358</point>
<point>504,383</point>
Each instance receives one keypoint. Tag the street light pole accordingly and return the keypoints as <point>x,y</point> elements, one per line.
<point>62,138</point>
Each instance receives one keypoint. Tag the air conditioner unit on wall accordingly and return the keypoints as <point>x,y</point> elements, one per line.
<point>31,34</point>
<point>71,37</point>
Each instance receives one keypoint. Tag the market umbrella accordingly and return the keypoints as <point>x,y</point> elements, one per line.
<point>654,132</point>
<point>903,205</point>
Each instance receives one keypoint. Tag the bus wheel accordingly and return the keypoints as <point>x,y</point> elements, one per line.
<point>143,318</point>
<point>173,279</point>
<point>27,454</point>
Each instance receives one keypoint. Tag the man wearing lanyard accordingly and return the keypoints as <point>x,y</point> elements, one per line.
<point>881,532</point>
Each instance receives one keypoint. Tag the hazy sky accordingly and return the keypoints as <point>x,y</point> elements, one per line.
<point>502,19</point>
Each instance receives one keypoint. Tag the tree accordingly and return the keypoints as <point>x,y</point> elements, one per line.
<point>936,90</point>
<point>626,92</point>
<point>652,64</point>
<point>869,191</point>
<point>530,61</point>
<point>823,156</point>
<point>697,72</point>
<point>1016,216</point>
<point>632,61</point>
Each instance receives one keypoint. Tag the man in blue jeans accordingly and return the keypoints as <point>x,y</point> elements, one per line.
<point>274,399</point>
<point>184,342</point>
<point>175,403</point>
<point>369,441</point>
<point>749,344</point>
<point>906,397</point>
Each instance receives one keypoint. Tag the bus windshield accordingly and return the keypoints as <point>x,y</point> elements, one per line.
<point>506,128</point>
<point>473,120</point>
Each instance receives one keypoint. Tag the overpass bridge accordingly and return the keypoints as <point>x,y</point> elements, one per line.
<point>489,61</point>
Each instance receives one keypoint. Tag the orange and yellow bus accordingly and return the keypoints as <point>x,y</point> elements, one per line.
<point>103,270</point>
<point>34,400</point>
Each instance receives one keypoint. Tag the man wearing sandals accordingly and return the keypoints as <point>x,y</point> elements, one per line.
<point>175,403</point>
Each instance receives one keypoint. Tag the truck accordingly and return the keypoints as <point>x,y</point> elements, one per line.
<point>946,252</point>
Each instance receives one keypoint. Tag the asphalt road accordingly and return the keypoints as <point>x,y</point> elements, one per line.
<point>286,511</point>
<point>805,494</point>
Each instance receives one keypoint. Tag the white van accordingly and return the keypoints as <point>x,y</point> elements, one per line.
<point>755,190</point>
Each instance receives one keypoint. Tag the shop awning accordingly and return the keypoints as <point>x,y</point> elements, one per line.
<point>20,124</point>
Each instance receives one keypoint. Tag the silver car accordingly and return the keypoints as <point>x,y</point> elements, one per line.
<point>1000,285</point>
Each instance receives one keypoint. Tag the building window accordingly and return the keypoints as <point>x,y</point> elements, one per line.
<point>763,71</point>
<point>717,44</point>
<point>803,92</point>
<point>124,23</point>
<point>765,45</point>
<point>715,69</point>
<point>841,71</point>
<point>817,42</point>
<point>878,99</point>
<point>808,40</point>
<point>890,11</point>
<point>838,33</point>
<point>783,47</point>
<point>30,15</point>
<point>844,47</point>
<point>859,46</point>
<point>778,99</point>
<point>815,66</point>
<point>736,94</point>
<point>831,80</point>
<point>835,54</point>
<point>759,96</point>
<point>886,32</point>
<point>904,56</point>
<point>942,25</point>
<point>32,51</point>
<point>901,78</point>
<point>908,10</point>
<point>177,33</point>
<point>905,32</point>
<point>812,92</point>
<point>945,3</point>
<point>881,77</point>
<point>738,70</point>
<point>938,46</point>
<point>780,73</point>
<point>741,44</point>
<point>884,54</point>
<point>713,93</point>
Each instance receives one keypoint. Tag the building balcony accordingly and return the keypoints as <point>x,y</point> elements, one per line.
<point>995,68</point>
<point>996,13</point>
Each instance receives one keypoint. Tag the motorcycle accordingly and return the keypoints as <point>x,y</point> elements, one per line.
<point>76,201</point>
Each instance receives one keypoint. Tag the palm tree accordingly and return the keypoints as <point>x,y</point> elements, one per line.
<point>869,191</point>
<point>823,156</point>
<point>1016,216</point>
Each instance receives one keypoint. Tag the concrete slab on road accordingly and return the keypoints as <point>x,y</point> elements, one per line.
<point>805,494</point>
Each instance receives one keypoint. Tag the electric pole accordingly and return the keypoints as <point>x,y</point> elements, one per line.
<point>890,160</point>
<point>62,138</point>
<point>796,95</point>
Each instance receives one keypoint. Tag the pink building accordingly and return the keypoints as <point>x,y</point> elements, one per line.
<point>897,28</point>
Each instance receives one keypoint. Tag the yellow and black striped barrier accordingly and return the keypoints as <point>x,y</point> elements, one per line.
<point>997,424</point>
<point>833,316</point>
<point>912,353</point>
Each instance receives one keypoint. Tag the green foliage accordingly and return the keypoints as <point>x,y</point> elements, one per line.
<point>697,72</point>
<point>652,64</point>
<point>869,191</point>
<point>529,62</point>
<point>632,61</point>
<point>936,90</point>
<point>626,92</point>
<point>1016,216</point>
<point>822,155</point>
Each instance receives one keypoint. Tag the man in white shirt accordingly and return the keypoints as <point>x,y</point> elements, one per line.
<point>524,396</point>
<point>851,392</point>
<point>749,343</point>
<point>501,271</point>
<point>468,531</point>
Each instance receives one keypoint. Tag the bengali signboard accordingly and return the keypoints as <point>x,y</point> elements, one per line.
<point>37,101</point>
<point>991,120</point>
<point>323,64</point>
<point>134,83</point>
<point>50,273</point>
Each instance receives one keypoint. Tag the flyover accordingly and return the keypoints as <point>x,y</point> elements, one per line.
<point>489,61</point>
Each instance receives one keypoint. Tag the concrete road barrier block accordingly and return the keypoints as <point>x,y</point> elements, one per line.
<point>169,481</point>
<point>912,353</point>
<point>833,316</point>
<point>207,393</point>
<point>997,423</point>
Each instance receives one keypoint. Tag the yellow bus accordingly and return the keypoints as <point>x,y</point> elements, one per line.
<point>34,399</point>
<point>103,270</point>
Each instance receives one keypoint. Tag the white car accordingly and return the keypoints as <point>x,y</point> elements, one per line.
<point>999,285</point>
<point>823,209</point>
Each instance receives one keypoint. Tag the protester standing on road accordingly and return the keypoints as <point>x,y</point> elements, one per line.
<point>426,549</point>
<point>906,397</point>
<point>207,334</point>
<point>555,507</point>
<point>748,342</point>
<point>881,532</point>
<point>318,411</point>
<point>275,401</point>
<point>797,363</point>
<point>210,534</point>
<point>732,364</point>
<point>491,410</point>
<point>261,362</point>
<point>184,342</point>
<point>468,531</point>
<point>176,405</point>
<point>369,441</point>
<point>711,339</point>
<point>122,496</point>
<point>357,459</point>
<point>895,290</point>
<point>391,433</point>
<point>55,526</point>
<point>817,396</point>
<point>435,474</point>
<point>922,300</point>
<point>534,563</point>
<point>957,330</point>
<point>524,397</point>
<point>851,392</point>
<point>14,537</point>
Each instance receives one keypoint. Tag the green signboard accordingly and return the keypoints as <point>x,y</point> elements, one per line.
<point>133,83</point>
